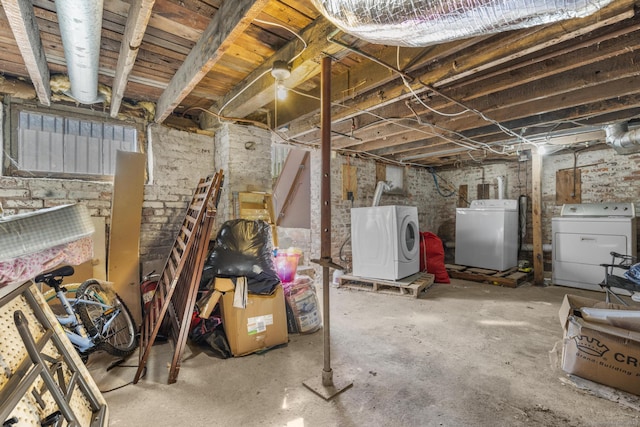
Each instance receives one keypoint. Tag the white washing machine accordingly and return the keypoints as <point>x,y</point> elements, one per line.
<point>487,234</point>
<point>583,237</point>
<point>385,242</point>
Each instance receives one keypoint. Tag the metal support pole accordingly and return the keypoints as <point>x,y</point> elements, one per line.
<point>327,389</point>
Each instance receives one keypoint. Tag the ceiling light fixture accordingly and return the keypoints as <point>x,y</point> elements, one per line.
<point>281,71</point>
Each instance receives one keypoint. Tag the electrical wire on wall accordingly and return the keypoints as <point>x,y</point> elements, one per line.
<point>435,176</point>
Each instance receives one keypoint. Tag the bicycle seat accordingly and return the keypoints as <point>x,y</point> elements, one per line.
<point>63,271</point>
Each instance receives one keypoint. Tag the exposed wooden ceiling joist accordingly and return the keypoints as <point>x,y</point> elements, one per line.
<point>491,54</point>
<point>226,26</point>
<point>25,30</point>
<point>205,54</point>
<point>255,92</point>
<point>137,19</point>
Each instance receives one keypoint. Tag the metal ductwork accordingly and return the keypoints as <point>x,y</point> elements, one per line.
<point>621,139</point>
<point>381,187</point>
<point>80,28</point>
<point>426,22</point>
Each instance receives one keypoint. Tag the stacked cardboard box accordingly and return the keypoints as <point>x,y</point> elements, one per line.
<point>601,342</point>
<point>259,326</point>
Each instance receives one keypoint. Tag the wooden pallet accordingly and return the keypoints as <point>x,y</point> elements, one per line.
<point>409,286</point>
<point>511,278</point>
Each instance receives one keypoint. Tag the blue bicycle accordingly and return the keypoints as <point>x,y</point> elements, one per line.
<point>96,319</point>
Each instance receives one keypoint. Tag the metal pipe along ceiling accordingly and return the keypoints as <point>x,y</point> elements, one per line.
<point>426,22</point>
<point>80,28</point>
<point>621,139</point>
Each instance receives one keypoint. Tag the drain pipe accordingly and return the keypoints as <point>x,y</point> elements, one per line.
<point>500,187</point>
<point>80,26</point>
<point>621,139</point>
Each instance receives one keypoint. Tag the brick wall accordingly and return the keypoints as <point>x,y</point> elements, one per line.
<point>19,195</point>
<point>244,153</point>
<point>179,160</point>
<point>419,192</point>
<point>606,177</point>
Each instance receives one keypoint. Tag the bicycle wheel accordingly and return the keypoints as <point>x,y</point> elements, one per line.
<point>120,337</point>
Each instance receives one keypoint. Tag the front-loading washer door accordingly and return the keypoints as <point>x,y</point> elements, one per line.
<point>409,239</point>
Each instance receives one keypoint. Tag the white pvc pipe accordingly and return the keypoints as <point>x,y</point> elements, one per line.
<point>500,187</point>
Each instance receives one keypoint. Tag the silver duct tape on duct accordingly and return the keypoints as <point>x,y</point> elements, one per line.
<point>425,22</point>
<point>80,29</point>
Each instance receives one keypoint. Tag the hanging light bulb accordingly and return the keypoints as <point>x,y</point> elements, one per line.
<point>542,150</point>
<point>280,71</point>
<point>281,91</point>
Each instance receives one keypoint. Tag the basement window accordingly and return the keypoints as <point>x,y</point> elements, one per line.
<point>51,145</point>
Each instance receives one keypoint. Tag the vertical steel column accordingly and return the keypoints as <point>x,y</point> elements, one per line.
<point>326,388</point>
<point>325,210</point>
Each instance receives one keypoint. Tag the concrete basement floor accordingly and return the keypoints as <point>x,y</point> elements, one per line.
<point>463,354</point>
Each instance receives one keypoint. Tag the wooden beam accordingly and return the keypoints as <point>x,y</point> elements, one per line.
<point>23,23</point>
<point>619,109</point>
<point>458,67</point>
<point>536,97</point>
<point>550,64</point>
<point>227,25</point>
<point>576,96</point>
<point>137,20</point>
<point>368,75</point>
<point>244,99</point>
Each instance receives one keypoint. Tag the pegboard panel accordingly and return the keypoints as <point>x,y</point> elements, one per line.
<point>13,350</point>
<point>38,402</point>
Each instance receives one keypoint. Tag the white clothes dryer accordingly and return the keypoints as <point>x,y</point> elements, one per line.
<point>385,242</point>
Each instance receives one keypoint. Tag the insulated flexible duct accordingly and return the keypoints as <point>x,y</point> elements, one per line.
<point>80,29</point>
<point>426,22</point>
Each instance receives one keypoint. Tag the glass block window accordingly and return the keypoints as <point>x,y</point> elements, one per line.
<point>53,144</point>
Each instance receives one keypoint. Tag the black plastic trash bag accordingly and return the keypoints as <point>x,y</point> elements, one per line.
<point>243,248</point>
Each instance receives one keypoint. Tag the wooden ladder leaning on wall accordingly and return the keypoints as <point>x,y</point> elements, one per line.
<point>176,293</point>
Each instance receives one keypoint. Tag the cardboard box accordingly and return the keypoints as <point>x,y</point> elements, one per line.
<point>262,324</point>
<point>604,349</point>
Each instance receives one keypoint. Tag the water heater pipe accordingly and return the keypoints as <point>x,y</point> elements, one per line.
<point>500,187</point>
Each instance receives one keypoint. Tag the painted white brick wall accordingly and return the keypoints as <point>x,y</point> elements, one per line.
<point>244,153</point>
<point>180,160</point>
<point>419,192</point>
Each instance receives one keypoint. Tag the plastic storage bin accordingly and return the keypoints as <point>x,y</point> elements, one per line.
<point>286,266</point>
